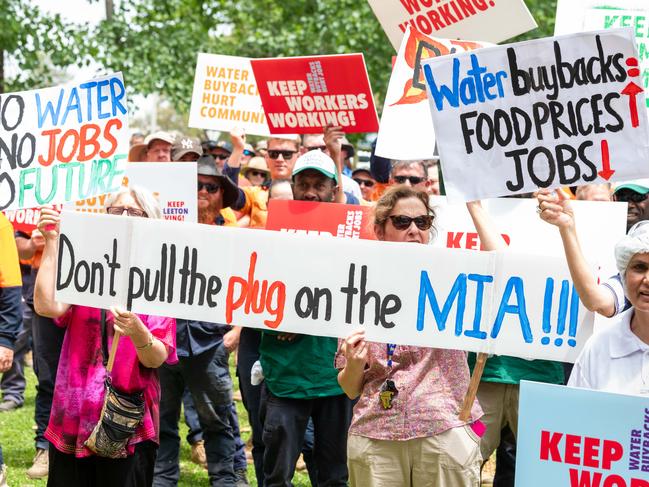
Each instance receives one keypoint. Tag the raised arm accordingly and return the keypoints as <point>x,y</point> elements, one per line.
<point>333,140</point>
<point>44,301</point>
<point>490,237</point>
<point>556,210</point>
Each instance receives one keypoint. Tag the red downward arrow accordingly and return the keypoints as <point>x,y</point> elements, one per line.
<point>606,171</point>
<point>632,90</point>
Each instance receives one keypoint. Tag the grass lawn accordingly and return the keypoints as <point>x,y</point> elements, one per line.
<point>17,440</point>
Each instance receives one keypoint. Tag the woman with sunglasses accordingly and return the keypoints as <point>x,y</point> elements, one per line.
<point>148,342</point>
<point>405,430</point>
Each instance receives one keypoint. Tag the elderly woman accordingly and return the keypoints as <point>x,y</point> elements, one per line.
<point>79,392</point>
<point>612,360</point>
<point>405,430</point>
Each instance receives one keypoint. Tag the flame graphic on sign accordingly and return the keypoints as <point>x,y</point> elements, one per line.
<point>418,48</point>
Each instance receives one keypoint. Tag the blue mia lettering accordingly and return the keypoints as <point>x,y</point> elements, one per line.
<point>476,86</point>
<point>512,302</point>
<point>104,99</point>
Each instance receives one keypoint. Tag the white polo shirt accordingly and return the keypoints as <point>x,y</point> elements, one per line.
<point>614,360</point>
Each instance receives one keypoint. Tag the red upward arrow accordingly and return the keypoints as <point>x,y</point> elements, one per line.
<point>632,90</point>
<point>606,171</point>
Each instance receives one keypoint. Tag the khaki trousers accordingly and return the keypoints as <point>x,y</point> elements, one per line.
<point>499,403</point>
<point>450,459</point>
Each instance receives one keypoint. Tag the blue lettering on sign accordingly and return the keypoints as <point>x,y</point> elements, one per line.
<point>477,87</point>
<point>426,292</point>
<point>514,284</point>
<point>103,100</point>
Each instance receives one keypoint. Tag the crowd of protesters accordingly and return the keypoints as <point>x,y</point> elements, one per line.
<point>358,413</point>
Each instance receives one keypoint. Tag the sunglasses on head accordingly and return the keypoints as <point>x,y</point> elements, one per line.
<point>221,157</point>
<point>286,154</point>
<point>364,182</point>
<point>209,187</point>
<point>413,179</point>
<point>317,147</point>
<point>402,222</point>
<point>119,210</point>
<point>630,196</point>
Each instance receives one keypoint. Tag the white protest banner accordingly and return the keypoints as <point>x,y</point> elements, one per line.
<point>406,131</point>
<point>173,184</point>
<point>63,143</point>
<point>581,438</point>
<point>539,114</point>
<point>600,226</point>
<point>502,303</point>
<point>583,15</point>
<point>488,20</point>
<point>225,96</point>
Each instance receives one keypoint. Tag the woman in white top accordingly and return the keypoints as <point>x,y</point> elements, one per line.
<point>617,358</point>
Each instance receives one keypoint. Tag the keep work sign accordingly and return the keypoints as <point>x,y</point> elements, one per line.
<point>546,113</point>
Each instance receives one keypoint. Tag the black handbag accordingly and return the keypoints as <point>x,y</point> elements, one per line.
<point>121,413</point>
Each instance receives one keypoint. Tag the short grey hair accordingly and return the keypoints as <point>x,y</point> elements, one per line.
<point>406,164</point>
<point>144,198</point>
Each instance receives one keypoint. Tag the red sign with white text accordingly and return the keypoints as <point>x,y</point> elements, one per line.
<point>336,220</point>
<point>301,95</point>
<point>26,219</point>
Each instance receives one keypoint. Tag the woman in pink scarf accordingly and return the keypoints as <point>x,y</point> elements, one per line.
<point>79,393</point>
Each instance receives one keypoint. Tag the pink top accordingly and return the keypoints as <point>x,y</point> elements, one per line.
<point>431,382</point>
<point>79,389</point>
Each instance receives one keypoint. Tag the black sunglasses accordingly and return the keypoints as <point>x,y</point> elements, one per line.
<point>413,179</point>
<point>252,172</point>
<point>364,182</point>
<point>119,210</point>
<point>286,154</point>
<point>402,222</point>
<point>209,187</point>
<point>317,147</point>
<point>221,157</point>
<point>630,196</point>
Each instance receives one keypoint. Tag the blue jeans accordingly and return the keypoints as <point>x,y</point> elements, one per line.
<point>13,381</point>
<point>195,433</point>
<point>208,378</point>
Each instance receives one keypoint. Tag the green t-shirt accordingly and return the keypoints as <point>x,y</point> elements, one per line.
<point>511,370</point>
<point>300,369</point>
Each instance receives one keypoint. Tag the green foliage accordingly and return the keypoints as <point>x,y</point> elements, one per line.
<point>38,44</point>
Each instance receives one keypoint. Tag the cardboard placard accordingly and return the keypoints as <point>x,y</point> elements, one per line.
<point>63,143</point>
<point>491,21</point>
<point>503,303</point>
<point>326,219</point>
<point>406,131</point>
<point>539,114</point>
<point>303,94</point>
<point>173,184</point>
<point>583,15</point>
<point>578,438</point>
<point>225,95</point>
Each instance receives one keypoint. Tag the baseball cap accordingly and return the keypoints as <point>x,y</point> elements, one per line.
<point>185,145</point>
<point>137,153</point>
<point>638,185</point>
<point>317,160</point>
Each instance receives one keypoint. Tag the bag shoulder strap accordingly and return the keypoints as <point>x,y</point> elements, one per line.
<point>104,339</point>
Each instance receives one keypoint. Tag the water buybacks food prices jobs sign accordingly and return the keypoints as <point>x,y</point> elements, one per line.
<point>546,113</point>
<point>63,143</point>
<point>303,94</point>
